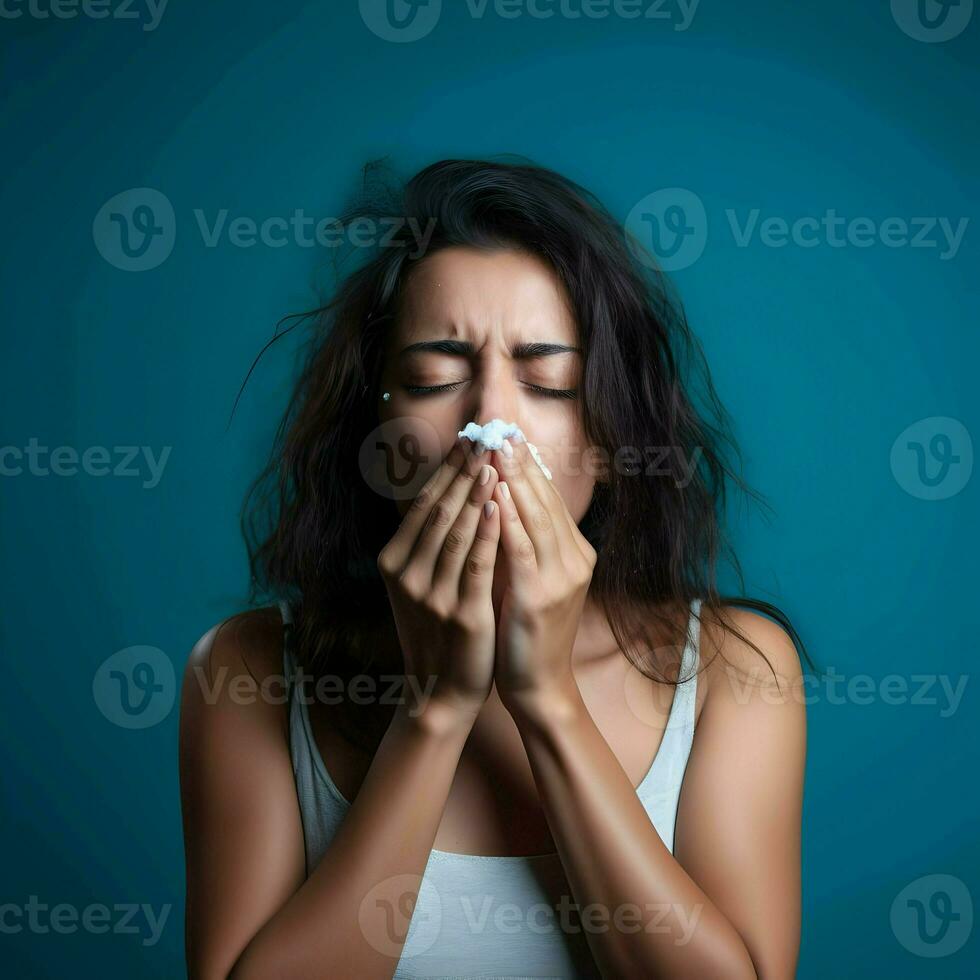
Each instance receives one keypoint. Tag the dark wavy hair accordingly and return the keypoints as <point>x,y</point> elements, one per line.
<point>312,527</point>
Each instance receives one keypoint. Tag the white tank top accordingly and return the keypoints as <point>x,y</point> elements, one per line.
<point>493,917</point>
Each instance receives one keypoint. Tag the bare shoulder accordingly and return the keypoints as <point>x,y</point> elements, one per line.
<point>252,637</point>
<point>733,664</point>
<point>238,660</point>
<point>739,817</point>
<point>243,834</point>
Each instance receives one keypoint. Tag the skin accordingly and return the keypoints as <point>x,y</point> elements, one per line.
<point>531,744</point>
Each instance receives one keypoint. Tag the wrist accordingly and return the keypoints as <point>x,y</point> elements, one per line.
<point>557,701</point>
<point>438,717</point>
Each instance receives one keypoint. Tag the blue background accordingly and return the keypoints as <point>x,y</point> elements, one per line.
<point>823,355</point>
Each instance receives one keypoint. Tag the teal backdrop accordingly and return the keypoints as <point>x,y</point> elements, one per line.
<point>807,173</point>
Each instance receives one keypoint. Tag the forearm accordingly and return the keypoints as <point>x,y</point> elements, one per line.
<point>350,917</point>
<point>642,913</point>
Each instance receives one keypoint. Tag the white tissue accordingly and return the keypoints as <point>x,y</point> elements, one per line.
<point>493,434</point>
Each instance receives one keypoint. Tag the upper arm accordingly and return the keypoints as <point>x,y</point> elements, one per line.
<point>242,832</point>
<point>738,822</point>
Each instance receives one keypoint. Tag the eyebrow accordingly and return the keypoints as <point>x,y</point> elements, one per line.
<point>463,348</point>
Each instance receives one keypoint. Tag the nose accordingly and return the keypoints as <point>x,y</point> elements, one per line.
<point>494,396</point>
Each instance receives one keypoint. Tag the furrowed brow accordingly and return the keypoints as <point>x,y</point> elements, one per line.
<point>523,352</point>
<point>463,348</point>
<point>455,348</point>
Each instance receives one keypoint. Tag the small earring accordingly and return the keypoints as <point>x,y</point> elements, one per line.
<point>386,396</point>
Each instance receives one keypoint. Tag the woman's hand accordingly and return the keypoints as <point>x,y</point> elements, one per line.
<point>549,567</point>
<point>438,571</point>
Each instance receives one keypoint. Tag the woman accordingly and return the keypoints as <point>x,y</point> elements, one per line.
<point>497,684</point>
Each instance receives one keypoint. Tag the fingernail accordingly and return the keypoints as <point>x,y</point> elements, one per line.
<point>507,449</point>
<point>505,490</point>
<point>484,476</point>
<point>488,509</point>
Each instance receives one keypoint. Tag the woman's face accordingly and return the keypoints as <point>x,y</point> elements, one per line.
<point>487,306</point>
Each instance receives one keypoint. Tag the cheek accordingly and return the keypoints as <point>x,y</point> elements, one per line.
<point>576,491</point>
<point>410,450</point>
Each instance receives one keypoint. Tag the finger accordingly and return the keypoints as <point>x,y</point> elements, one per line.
<point>579,539</point>
<point>571,539</point>
<point>476,578</point>
<point>399,548</point>
<point>459,540</point>
<point>535,516</point>
<point>442,517</point>
<point>519,555</point>
<point>572,544</point>
<point>552,500</point>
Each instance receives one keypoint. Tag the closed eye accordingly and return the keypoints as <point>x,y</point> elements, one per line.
<point>537,389</point>
<point>554,392</point>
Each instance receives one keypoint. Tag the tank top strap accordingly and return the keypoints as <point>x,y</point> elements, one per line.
<point>683,711</point>
<point>692,653</point>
